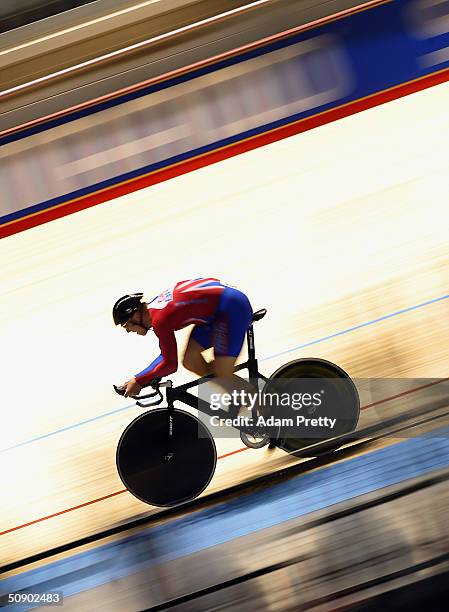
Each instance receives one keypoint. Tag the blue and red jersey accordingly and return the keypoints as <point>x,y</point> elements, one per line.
<point>190,301</point>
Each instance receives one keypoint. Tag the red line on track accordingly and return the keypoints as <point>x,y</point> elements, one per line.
<point>94,501</point>
<point>44,518</point>
<point>239,450</point>
<point>392,397</point>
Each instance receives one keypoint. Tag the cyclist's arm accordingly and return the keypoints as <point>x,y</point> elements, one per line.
<point>166,363</point>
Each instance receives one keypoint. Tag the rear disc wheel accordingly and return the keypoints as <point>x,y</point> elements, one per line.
<point>334,384</point>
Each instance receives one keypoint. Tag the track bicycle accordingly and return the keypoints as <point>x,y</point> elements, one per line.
<point>167,456</point>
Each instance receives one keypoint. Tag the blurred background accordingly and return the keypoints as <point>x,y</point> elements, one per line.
<point>297,149</point>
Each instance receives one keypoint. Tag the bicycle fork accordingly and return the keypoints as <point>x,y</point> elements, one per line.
<point>170,453</point>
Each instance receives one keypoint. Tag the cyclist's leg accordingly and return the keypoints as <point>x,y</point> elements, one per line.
<point>228,329</point>
<point>223,369</point>
<point>193,359</point>
<point>223,366</point>
<point>228,334</point>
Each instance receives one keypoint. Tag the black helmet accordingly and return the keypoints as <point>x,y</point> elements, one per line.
<point>125,307</point>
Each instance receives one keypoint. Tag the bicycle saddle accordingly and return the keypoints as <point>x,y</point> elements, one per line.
<point>259,314</point>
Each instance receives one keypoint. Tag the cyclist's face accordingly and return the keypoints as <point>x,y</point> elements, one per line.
<point>135,325</point>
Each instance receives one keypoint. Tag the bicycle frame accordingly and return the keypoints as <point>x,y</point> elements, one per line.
<point>181,393</point>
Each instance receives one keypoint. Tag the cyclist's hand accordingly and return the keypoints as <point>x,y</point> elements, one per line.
<point>132,387</point>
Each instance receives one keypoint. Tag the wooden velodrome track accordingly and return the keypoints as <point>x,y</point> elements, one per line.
<point>338,228</point>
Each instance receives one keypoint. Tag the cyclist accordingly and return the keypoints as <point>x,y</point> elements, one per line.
<point>221,314</point>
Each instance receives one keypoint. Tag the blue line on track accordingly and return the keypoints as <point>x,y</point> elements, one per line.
<point>291,350</point>
<point>56,431</point>
<point>350,329</point>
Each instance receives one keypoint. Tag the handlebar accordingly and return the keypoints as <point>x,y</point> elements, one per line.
<point>156,384</point>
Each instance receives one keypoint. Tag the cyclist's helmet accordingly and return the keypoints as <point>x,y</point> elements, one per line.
<point>125,307</point>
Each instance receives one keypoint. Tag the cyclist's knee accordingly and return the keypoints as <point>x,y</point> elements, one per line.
<point>195,362</point>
